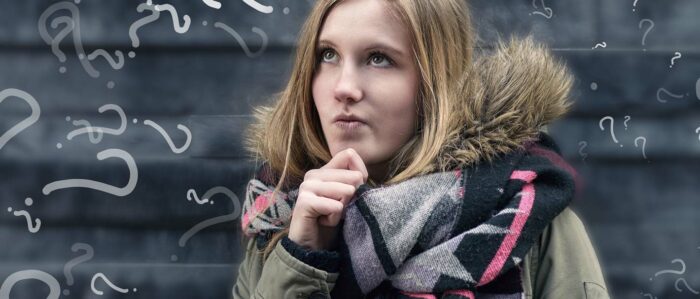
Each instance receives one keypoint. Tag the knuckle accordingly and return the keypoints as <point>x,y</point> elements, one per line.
<point>303,187</point>
<point>359,178</point>
<point>310,174</point>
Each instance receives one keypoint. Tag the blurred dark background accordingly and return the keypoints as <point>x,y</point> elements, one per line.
<point>635,62</point>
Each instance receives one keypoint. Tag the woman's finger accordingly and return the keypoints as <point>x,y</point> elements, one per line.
<point>348,159</point>
<point>350,177</point>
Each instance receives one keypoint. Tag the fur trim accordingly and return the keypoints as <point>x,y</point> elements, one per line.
<point>511,94</point>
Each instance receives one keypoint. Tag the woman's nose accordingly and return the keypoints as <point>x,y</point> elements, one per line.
<point>349,85</point>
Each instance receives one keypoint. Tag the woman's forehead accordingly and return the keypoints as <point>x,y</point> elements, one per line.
<point>367,22</point>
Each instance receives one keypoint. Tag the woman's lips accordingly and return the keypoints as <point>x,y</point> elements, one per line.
<point>349,126</point>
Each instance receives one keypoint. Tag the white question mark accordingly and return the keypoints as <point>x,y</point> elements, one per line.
<point>55,42</point>
<point>582,145</point>
<point>627,119</point>
<point>176,22</point>
<point>675,57</point>
<point>672,271</point>
<point>644,144</point>
<point>697,131</point>
<point>90,184</point>
<point>634,5</point>
<point>612,132</point>
<point>686,286</point>
<point>27,122</point>
<point>216,220</point>
<point>648,30</point>
<point>259,7</point>
<point>72,25</point>
<point>602,45</point>
<point>160,130</point>
<point>697,89</point>
<point>660,90</point>
<point>33,228</point>
<point>155,15</point>
<point>115,64</point>
<point>108,282</point>
<point>100,130</point>
<point>192,194</point>
<point>94,134</point>
<point>240,40</point>
<point>549,12</point>
<point>50,281</point>
<point>89,253</point>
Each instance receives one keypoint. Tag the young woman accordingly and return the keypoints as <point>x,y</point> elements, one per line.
<point>394,165</point>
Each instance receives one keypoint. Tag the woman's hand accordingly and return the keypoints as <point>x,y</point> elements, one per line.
<point>322,197</point>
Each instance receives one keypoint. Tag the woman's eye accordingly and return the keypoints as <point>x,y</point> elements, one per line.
<point>378,58</point>
<point>324,53</point>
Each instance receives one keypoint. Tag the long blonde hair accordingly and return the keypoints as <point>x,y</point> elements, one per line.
<point>287,134</point>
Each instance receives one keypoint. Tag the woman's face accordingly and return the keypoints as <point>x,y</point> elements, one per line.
<point>365,69</point>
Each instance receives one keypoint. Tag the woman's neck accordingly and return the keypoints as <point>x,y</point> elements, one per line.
<point>378,172</point>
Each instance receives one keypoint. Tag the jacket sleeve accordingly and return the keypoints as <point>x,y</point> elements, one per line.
<point>290,271</point>
<point>564,263</point>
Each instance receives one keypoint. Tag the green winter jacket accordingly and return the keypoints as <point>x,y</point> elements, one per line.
<point>563,264</point>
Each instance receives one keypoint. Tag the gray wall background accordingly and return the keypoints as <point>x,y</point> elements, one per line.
<point>640,207</point>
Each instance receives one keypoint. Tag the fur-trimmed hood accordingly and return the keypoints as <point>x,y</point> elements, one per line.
<point>511,92</point>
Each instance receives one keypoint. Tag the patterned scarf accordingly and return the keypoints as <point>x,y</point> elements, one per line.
<point>453,234</point>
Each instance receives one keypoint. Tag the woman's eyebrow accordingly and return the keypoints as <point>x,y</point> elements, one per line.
<point>372,46</point>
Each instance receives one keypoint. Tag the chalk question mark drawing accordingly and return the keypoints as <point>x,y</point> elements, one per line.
<point>160,130</point>
<point>675,57</point>
<point>14,278</point>
<point>602,45</point>
<point>88,129</point>
<point>89,253</point>
<point>627,119</point>
<point>213,221</point>
<point>27,122</point>
<point>582,145</point>
<point>660,90</point>
<point>33,228</point>
<point>90,184</point>
<point>176,22</point>
<point>634,5</point>
<point>697,89</point>
<point>651,25</point>
<point>259,7</point>
<point>54,42</point>
<point>94,134</point>
<point>108,282</point>
<point>679,272</point>
<point>155,15</point>
<point>686,286</point>
<point>547,11</point>
<point>72,24</point>
<point>240,40</point>
<point>191,194</point>
<point>644,144</point>
<point>612,132</point>
<point>115,64</point>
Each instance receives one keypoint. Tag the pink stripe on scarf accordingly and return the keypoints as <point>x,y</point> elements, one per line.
<point>524,175</point>
<point>528,197</point>
<point>419,295</point>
